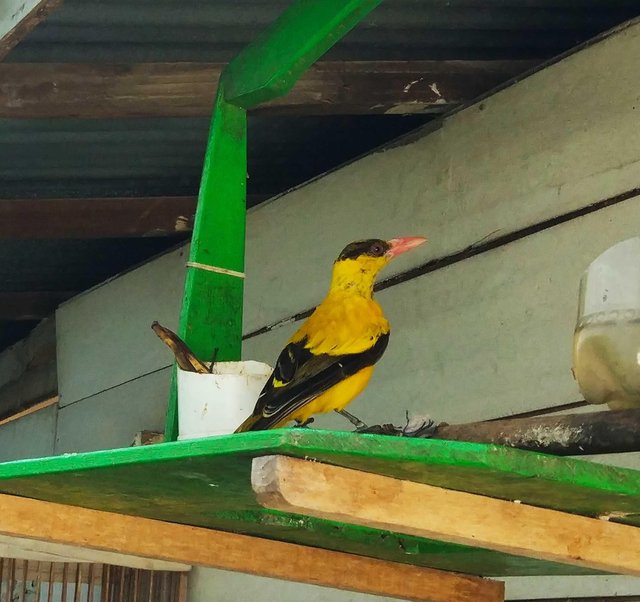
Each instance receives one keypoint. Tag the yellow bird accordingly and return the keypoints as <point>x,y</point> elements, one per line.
<point>330,359</point>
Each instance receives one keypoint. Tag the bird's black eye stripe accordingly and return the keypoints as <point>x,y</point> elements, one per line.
<point>372,247</point>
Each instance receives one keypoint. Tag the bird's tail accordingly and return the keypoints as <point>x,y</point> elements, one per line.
<point>249,423</point>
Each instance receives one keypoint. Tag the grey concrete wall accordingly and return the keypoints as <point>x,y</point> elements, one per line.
<point>29,437</point>
<point>485,337</point>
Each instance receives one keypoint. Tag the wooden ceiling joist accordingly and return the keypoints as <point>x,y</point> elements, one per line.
<point>86,218</point>
<point>95,217</point>
<point>18,18</point>
<point>30,305</point>
<point>76,527</point>
<point>187,89</point>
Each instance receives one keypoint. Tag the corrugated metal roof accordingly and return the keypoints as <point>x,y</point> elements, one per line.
<point>215,30</point>
<point>164,156</point>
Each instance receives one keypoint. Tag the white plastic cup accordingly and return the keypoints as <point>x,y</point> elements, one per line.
<point>218,403</point>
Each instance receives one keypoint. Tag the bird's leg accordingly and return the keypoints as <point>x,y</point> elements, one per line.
<point>353,420</point>
<point>301,425</point>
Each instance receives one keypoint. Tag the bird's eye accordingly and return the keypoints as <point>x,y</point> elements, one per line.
<point>377,249</point>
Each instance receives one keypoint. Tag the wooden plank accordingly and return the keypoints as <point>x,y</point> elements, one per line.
<point>109,532</point>
<point>204,483</point>
<point>95,218</point>
<point>340,494</point>
<point>33,90</point>
<point>36,549</point>
<point>19,17</point>
<point>119,217</point>
<point>34,408</point>
<point>31,305</point>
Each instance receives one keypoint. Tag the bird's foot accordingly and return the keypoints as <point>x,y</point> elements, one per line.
<point>360,426</point>
<point>419,426</point>
<point>303,425</point>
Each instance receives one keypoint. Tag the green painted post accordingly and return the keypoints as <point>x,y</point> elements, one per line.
<point>270,66</point>
<point>211,317</point>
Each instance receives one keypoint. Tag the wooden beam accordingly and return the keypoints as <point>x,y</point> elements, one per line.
<point>351,496</point>
<point>31,91</point>
<point>18,18</point>
<point>41,405</point>
<point>105,531</point>
<point>85,218</point>
<point>31,305</point>
<point>608,432</point>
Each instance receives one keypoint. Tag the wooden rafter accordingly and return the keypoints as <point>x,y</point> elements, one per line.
<point>85,218</point>
<point>376,501</point>
<point>187,89</point>
<point>31,305</point>
<point>108,532</point>
<point>18,18</point>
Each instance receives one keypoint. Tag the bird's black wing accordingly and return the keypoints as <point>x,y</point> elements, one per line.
<point>300,376</point>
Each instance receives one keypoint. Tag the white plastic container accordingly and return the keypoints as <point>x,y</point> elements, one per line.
<point>606,349</point>
<point>218,403</point>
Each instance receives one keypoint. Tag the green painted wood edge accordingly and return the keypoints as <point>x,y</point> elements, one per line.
<point>270,66</point>
<point>340,445</point>
<point>211,316</point>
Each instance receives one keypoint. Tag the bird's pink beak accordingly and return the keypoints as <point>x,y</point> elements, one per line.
<point>404,244</point>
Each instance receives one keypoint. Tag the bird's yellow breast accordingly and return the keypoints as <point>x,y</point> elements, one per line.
<point>342,324</point>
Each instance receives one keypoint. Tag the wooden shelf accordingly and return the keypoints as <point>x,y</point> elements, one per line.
<point>206,483</point>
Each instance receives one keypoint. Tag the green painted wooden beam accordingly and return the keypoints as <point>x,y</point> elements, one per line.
<point>211,317</point>
<point>270,66</point>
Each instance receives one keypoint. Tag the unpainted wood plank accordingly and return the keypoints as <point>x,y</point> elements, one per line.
<point>187,89</point>
<point>19,17</point>
<point>117,217</point>
<point>27,518</point>
<point>32,409</point>
<point>341,494</point>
